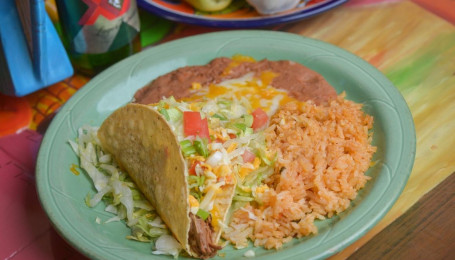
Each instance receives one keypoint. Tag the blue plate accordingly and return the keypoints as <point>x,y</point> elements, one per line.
<point>178,12</point>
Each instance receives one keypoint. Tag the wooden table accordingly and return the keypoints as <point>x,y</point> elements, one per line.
<point>411,42</point>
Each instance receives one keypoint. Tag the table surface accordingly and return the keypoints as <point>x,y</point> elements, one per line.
<point>411,42</point>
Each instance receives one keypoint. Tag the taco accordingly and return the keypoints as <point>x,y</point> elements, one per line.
<point>185,158</point>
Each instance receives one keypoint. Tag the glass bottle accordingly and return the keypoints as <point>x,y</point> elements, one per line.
<point>99,33</point>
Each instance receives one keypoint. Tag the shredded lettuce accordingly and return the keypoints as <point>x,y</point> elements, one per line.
<point>167,244</point>
<point>121,196</point>
<point>174,114</point>
<point>201,147</point>
<point>165,114</point>
<point>243,198</point>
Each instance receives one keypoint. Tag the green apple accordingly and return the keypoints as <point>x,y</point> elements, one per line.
<point>209,5</point>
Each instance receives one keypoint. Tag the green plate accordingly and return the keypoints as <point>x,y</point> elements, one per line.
<point>62,193</point>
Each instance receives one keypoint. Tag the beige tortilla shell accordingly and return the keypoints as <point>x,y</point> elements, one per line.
<point>143,144</point>
<point>223,202</point>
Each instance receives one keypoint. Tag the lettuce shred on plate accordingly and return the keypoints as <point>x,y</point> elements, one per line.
<point>120,194</point>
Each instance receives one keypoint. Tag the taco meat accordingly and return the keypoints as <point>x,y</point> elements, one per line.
<point>201,237</point>
<point>301,82</point>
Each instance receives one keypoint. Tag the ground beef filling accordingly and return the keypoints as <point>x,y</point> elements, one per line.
<point>201,237</point>
<point>301,82</point>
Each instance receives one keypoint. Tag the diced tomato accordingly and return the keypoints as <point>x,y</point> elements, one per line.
<point>192,170</point>
<point>193,125</point>
<point>248,156</point>
<point>260,118</point>
<point>232,136</point>
<point>191,122</point>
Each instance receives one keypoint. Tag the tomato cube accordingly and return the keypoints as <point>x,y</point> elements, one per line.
<point>260,118</point>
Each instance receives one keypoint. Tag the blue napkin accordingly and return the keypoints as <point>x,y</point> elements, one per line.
<point>29,61</point>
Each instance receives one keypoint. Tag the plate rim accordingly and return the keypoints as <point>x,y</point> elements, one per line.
<point>404,166</point>
<point>238,23</point>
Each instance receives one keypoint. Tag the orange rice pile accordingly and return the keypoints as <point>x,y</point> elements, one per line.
<point>323,153</point>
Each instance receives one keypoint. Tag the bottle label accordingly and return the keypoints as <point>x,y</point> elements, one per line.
<point>106,25</point>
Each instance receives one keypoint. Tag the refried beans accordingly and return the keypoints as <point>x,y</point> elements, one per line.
<point>301,82</point>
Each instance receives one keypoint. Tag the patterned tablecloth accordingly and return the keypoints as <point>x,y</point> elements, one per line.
<point>411,42</point>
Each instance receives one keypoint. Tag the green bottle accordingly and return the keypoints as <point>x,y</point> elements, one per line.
<point>99,33</point>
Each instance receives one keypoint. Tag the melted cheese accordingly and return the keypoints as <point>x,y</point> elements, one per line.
<point>237,60</point>
<point>257,90</point>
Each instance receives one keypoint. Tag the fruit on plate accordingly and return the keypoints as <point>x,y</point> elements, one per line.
<point>209,5</point>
